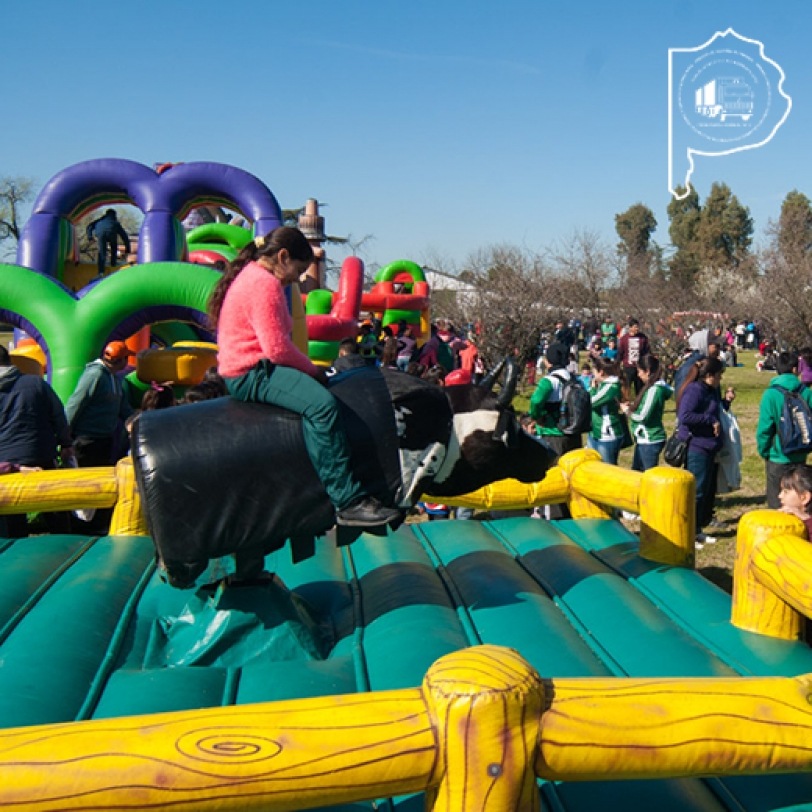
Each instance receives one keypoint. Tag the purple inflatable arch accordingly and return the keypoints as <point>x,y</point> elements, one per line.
<point>164,198</point>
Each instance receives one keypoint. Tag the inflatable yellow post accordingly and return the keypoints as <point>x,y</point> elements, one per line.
<point>772,592</point>
<point>486,705</point>
<point>581,506</point>
<point>668,516</point>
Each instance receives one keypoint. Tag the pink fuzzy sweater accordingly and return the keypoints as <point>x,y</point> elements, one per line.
<point>255,323</point>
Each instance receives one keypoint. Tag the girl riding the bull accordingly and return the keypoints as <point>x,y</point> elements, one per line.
<point>261,364</point>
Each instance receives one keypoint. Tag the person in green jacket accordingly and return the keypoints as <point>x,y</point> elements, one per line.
<point>545,409</point>
<point>646,414</point>
<point>608,425</point>
<point>776,462</point>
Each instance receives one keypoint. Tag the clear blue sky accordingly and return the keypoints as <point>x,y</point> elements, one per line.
<point>439,127</point>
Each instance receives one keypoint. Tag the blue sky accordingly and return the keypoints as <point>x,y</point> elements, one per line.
<point>438,127</point>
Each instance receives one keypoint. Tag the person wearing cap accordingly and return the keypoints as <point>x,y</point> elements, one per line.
<point>545,409</point>
<point>97,406</point>
<point>33,434</point>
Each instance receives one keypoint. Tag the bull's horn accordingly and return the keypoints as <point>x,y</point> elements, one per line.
<point>490,379</point>
<point>509,386</point>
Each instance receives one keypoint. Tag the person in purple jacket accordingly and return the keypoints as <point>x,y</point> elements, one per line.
<point>699,416</point>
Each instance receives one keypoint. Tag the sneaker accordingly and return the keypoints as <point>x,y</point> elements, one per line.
<point>629,516</point>
<point>702,539</point>
<point>366,512</point>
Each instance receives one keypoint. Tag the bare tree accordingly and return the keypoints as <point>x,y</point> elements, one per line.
<point>14,194</point>
<point>584,265</point>
<point>787,276</point>
<point>506,300</point>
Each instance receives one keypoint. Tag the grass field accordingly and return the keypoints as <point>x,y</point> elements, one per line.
<point>716,560</point>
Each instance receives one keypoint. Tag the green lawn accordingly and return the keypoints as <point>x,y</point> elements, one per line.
<point>716,560</point>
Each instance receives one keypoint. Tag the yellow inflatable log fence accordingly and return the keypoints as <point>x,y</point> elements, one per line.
<point>475,736</point>
<point>78,488</point>
<point>772,589</point>
<point>663,497</point>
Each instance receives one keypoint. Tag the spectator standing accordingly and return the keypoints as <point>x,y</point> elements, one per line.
<point>545,409</point>
<point>632,347</point>
<point>608,429</point>
<point>469,355</point>
<point>699,415</point>
<point>107,230</point>
<point>97,405</point>
<point>805,366</point>
<point>406,346</point>
<point>776,462</point>
<point>565,335</point>
<point>367,343</point>
<point>646,414</point>
<point>389,356</point>
<point>95,411</point>
<point>608,330</point>
<point>741,335</point>
<point>610,350</point>
<point>33,433</point>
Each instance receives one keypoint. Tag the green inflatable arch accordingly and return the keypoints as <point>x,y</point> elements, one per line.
<point>75,330</point>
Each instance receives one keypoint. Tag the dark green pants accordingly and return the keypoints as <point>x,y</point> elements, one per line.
<point>324,435</point>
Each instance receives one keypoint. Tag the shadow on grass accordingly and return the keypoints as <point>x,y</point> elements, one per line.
<point>718,575</point>
<point>733,500</point>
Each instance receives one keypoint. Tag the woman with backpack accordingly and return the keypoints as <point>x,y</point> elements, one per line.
<point>546,408</point>
<point>608,424</point>
<point>646,414</point>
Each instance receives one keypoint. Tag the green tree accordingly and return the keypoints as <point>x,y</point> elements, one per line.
<point>14,194</point>
<point>724,232</point>
<point>795,226</point>
<point>684,216</point>
<point>635,227</point>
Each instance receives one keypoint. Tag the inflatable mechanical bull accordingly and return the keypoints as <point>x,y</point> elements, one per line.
<point>225,477</point>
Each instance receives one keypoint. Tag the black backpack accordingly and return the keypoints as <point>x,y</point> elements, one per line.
<point>795,424</point>
<point>575,416</point>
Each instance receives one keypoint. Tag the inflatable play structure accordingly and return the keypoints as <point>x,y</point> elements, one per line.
<point>70,314</point>
<point>497,665</point>
<point>44,294</point>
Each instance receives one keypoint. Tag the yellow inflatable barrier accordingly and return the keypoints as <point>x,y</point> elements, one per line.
<point>664,498</point>
<point>473,737</point>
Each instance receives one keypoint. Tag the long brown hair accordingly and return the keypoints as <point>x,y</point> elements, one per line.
<point>650,364</point>
<point>268,246</point>
<point>390,353</point>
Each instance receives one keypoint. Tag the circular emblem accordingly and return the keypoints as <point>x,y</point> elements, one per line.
<point>724,95</point>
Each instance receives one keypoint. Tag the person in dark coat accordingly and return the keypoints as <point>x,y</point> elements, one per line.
<point>699,416</point>
<point>34,432</point>
<point>107,230</point>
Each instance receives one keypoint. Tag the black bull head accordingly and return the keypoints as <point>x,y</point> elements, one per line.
<point>225,477</point>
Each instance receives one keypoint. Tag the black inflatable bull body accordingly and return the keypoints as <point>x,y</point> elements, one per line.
<point>226,477</point>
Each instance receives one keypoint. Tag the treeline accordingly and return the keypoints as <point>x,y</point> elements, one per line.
<point>709,265</point>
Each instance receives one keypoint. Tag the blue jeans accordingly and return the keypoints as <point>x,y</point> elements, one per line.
<point>647,455</point>
<point>608,449</point>
<point>703,468</point>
